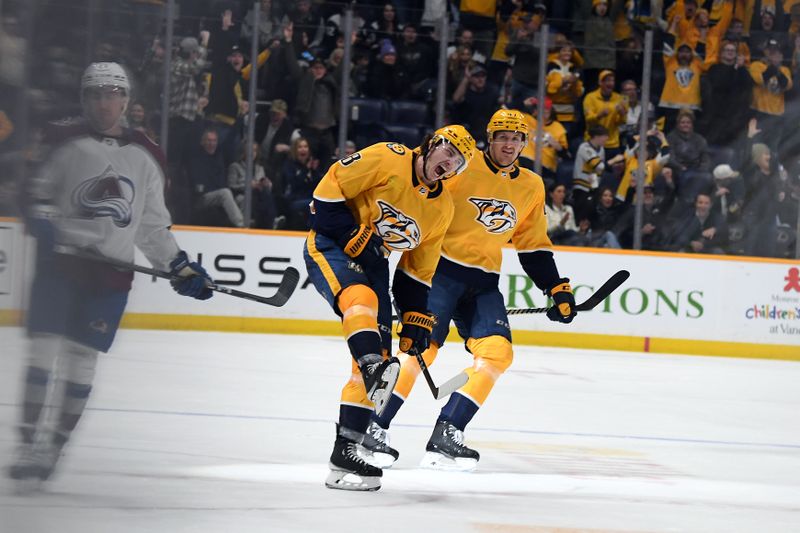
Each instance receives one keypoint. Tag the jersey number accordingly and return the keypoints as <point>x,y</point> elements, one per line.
<point>350,159</point>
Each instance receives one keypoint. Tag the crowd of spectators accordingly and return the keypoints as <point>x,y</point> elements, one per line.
<point>723,155</point>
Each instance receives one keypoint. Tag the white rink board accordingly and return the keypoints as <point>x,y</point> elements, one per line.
<point>708,299</point>
<point>667,296</point>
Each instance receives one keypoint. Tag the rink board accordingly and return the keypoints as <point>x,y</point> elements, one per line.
<point>674,303</point>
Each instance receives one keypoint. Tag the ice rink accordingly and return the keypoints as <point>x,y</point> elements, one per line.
<point>219,432</point>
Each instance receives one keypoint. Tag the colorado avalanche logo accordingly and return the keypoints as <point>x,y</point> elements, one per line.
<point>106,195</point>
<point>684,76</point>
<point>498,216</point>
<point>397,230</point>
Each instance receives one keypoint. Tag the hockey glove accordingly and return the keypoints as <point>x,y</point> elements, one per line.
<point>364,246</point>
<point>416,331</point>
<point>563,309</point>
<point>194,278</point>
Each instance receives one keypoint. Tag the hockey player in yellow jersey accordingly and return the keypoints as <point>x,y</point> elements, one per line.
<point>383,198</point>
<point>495,201</point>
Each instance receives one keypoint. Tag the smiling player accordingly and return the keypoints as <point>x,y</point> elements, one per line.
<point>495,201</point>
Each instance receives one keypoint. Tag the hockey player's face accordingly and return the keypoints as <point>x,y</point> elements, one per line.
<point>103,107</point>
<point>442,162</point>
<point>506,146</point>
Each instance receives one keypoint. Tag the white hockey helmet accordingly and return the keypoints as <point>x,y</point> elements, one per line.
<point>105,74</point>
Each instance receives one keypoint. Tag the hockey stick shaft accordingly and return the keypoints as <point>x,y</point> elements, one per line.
<point>590,303</point>
<point>449,386</point>
<point>285,289</point>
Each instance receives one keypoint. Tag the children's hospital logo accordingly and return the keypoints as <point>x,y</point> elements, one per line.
<point>792,280</point>
<point>783,311</point>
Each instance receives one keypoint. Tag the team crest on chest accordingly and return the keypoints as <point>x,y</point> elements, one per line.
<point>398,231</point>
<point>498,216</point>
<point>107,195</point>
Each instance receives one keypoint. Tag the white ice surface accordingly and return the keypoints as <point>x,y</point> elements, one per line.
<point>217,432</point>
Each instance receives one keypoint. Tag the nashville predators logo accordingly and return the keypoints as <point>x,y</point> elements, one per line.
<point>498,216</point>
<point>398,231</point>
<point>684,76</point>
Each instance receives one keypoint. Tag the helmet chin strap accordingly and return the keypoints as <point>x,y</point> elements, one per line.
<point>488,153</point>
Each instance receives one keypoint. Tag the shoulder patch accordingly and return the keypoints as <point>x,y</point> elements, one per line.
<point>399,149</point>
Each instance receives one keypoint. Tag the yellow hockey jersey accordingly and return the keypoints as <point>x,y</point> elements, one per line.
<point>380,187</point>
<point>494,206</point>
<point>682,84</point>
<point>549,155</point>
<point>594,105</point>
<point>768,95</point>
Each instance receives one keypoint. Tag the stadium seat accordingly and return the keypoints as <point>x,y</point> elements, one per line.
<point>407,135</point>
<point>408,112</point>
<point>367,111</point>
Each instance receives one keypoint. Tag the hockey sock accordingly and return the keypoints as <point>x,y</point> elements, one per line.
<point>459,410</point>
<point>493,356</point>
<point>80,362</point>
<point>75,397</point>
<point>389,412</point>
<point>359,307</point>
<point>36,381</point>
<point>354,417</point>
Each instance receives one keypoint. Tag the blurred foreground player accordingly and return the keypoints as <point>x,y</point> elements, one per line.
<point>495,200</point>
<point>383,198</point>
<point>100,190</point>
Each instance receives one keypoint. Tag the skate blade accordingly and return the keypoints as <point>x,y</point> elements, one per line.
<point>437,461</point>
<point>338,479</point>
<point>27,486</point>
<point>380,396</point>
<point>376,459</point>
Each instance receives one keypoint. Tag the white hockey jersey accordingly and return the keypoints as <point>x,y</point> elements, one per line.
<point>106,193</point>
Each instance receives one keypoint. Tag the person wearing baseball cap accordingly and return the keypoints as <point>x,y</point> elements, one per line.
<point>475,99</point>
<point>771,81</point>
<point>606,107</point>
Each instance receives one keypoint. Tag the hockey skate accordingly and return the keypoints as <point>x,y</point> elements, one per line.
<point>446,450</point>
<point>380,378</point>
<point>34,465</point>
<point>348,470</point>
<point>375,449</point>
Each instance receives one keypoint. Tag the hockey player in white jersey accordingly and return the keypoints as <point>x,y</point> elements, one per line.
<point>100,190</point>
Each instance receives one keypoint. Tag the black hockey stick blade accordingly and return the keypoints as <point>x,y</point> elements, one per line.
<point>590,303</point>
<point>604,291</point>
<point>286,288</point>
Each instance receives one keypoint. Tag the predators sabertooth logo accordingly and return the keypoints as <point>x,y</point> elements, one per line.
<point>498,216</point>
<point>398,231</point>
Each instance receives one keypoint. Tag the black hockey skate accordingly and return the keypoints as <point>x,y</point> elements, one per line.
<point>34,464</point>
<point>380,378</point>
<point>348,470</point>
<point>375,449</point>
<point>446,450</point>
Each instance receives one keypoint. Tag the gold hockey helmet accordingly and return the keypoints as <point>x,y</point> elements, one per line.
<point>507,120</point>
<point>460,139</point>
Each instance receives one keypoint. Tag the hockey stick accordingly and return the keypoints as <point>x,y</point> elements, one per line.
<point>593,301</point>
<point>446,388</point>
<point>285,289</point>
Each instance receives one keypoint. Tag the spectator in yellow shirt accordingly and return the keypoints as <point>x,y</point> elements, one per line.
<point>771,81</point>
<point>554,140</point>
<point>606,107</point>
